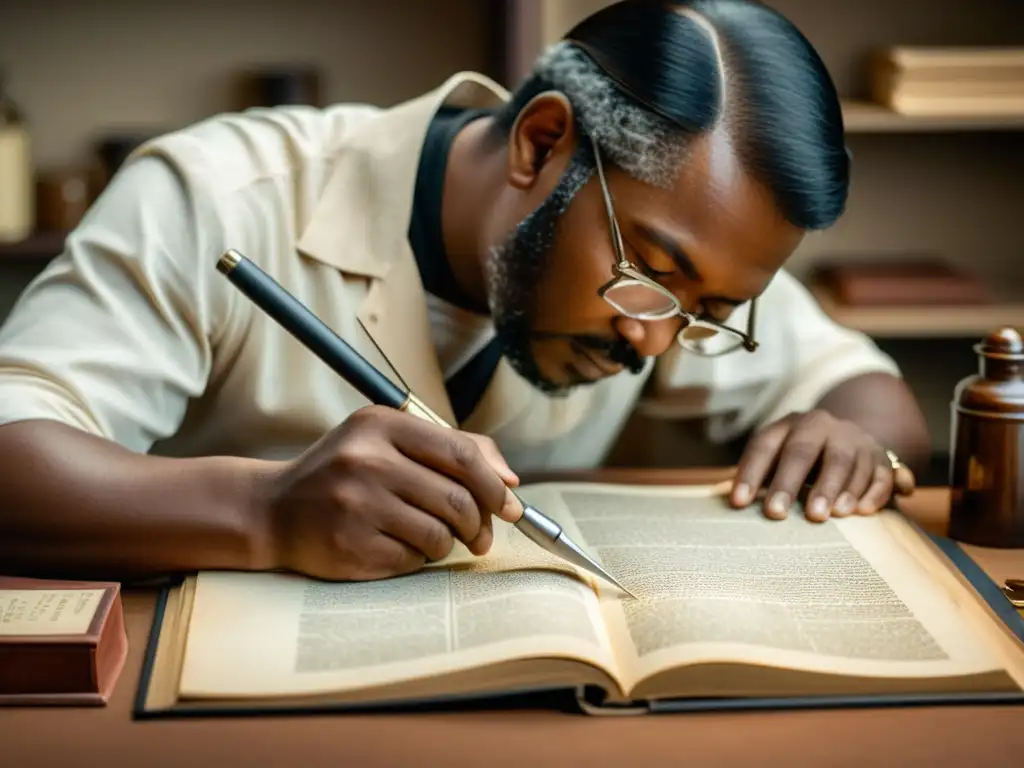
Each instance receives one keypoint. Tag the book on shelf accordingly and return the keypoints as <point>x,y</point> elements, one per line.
<point>901,280</point>
<point>731,607</point>
<point>948,81</point>
<point>61,642</point>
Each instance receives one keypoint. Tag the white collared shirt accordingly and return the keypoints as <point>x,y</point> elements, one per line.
<point>131,333</point>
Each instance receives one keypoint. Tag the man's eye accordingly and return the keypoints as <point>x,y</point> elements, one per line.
<point>659,269</point>
<point>651,271</point>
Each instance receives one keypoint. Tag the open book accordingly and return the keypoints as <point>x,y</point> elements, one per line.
<point>730,604</point>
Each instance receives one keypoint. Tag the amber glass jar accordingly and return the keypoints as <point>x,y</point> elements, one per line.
<point>987,461</point>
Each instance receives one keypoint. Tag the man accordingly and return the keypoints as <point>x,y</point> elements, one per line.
<point>520,261</point>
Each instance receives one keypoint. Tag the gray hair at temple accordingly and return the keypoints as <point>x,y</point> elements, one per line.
<point>642,143</point>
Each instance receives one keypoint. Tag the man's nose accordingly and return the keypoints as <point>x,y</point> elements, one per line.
<point>650,338</point>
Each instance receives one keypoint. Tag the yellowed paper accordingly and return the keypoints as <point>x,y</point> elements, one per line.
<point>47,611</point>
<point>279,634</point>
<point>716,583</point>
<point>757,607</point>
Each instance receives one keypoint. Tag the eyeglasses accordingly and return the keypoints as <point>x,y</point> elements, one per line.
<point>635,295</point>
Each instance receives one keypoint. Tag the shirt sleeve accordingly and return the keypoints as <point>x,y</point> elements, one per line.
<point>811,355</point>
<point>115,335</point>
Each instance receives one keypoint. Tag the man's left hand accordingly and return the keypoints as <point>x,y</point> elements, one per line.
<point>854,472</point>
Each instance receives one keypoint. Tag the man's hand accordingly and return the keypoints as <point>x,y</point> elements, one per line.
<point>382,494</point>
<point>853,472</point>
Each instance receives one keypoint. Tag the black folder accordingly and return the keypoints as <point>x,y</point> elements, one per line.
<point>587,701</point>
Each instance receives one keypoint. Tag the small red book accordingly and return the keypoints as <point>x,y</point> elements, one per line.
<point>61,642</point>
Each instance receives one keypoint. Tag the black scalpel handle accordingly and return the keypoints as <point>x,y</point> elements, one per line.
<point>294,317</point>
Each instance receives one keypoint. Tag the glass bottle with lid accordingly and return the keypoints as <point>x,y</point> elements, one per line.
<point>987,457</point>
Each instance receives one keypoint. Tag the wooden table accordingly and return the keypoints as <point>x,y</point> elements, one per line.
<point>940,736</point>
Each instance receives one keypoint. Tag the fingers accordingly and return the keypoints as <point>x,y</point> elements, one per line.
<point>443,498</point>
<point>857,485</point>
<point>457,455</point>
<point>757,461</point>
<point>849,471</point>
<point>481,545</point>
<point>799,453</point>
<point>511,509</point>
<point>904,480</point>
<point>880,490</point>
<point>429,536</point>
<point>839,460</point>
<point>493,456</point>
<point>383,556</point>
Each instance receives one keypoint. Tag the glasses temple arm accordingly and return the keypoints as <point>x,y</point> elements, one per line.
<point>751,324</point>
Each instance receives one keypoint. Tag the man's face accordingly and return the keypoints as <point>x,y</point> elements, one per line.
<point>714,239</point>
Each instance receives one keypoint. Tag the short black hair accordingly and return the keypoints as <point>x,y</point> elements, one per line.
<point>780,104</point>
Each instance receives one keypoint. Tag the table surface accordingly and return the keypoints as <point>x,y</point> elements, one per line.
<point>946,736</point>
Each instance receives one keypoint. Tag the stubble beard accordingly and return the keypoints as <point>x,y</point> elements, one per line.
<point>515,269</point>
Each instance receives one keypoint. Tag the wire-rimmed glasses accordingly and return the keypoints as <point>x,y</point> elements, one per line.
<point>635,295</point>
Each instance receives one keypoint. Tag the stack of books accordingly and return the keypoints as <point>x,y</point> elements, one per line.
<point>937,81</point>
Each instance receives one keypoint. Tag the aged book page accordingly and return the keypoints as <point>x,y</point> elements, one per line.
<point>279,635</point>
<point>726,586</point>
<point>730,603</point>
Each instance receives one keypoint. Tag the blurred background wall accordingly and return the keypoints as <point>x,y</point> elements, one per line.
<point>92,76</point>
<point>83,68</point>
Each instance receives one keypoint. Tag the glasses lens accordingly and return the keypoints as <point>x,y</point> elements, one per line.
<point>695,332</point>
<point>707,340</point>
<point>639,300</point>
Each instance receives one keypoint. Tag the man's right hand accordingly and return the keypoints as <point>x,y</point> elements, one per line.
<point>384,493</point>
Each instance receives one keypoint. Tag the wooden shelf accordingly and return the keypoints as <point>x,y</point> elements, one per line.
<point>860,116</point>
<point>41,246</point>
<point>867,117</point>
<point>924,322</point>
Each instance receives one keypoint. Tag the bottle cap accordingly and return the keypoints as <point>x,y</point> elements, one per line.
<point>1004,344</point>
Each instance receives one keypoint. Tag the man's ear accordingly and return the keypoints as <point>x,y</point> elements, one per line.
<point>543,130</point>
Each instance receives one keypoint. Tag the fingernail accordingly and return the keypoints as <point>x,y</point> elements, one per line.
<point>741,494</point>
<point>483,542</point>
<point>818,509</point>
<point>865,507</point>
<point>512,510</point>
<point>779,505</point>
<point>844,504</point>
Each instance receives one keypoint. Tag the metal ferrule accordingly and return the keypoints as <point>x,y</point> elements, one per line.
<point>538,527</point>
<point>416,407</point>
<point>228,261</point>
